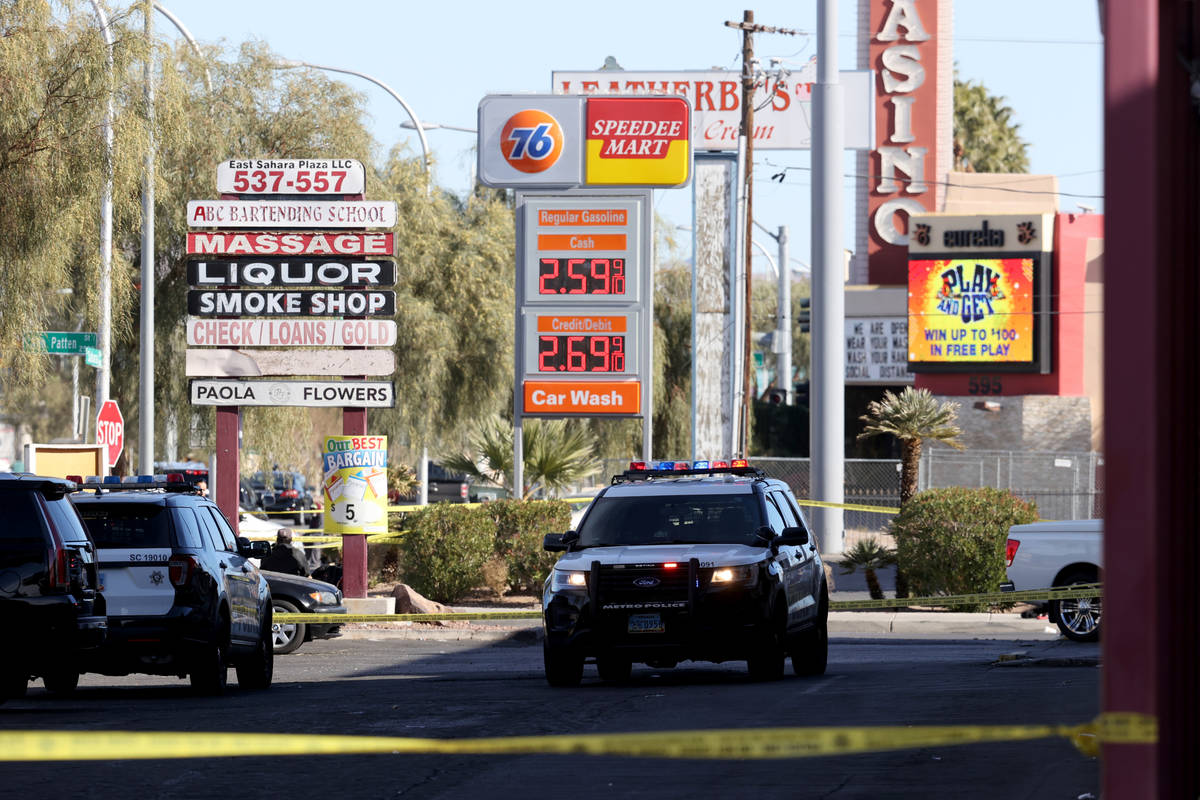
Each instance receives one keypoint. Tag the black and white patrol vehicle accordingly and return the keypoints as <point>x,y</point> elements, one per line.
<point>182,596</point>
<point>704,562</point>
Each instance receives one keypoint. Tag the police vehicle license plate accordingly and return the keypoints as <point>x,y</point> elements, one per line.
<point>646,623</point>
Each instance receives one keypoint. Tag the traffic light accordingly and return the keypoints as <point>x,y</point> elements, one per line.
<point>805,315</point>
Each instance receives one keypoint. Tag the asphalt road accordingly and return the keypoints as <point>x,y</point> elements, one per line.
<point>380,684</point>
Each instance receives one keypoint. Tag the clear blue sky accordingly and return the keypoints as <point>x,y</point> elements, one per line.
<point>1045,58</point>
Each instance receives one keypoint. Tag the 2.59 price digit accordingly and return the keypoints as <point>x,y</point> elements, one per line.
<point>586,276</point>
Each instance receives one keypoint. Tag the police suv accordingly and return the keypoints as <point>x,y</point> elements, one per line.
<point>182,596</point>
<point>704,561</point>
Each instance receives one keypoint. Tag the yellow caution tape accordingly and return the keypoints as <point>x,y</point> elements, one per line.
<point>1031,596</point>
<point>850,506</point>
<point>757,743</point>
<point>322,619</point>
<point>1074,592</point>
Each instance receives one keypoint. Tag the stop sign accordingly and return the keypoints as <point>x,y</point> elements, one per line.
<point>110,430</point>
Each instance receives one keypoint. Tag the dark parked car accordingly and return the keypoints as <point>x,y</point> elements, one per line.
<point>294,594</point>
<point>48,599</point>
<point>285,495</point>
<point>182,596</point>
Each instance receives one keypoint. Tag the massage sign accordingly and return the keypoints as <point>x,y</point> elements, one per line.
<point>323,284</point>
<point>583,341</point>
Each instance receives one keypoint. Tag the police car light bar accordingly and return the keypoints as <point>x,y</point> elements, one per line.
<point>639,470</point>
<point>172,482</point>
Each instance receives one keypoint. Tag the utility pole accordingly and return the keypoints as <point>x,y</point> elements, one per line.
<point>748,29</point>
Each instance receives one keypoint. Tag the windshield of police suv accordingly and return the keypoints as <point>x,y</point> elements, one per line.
<point>681,519</point>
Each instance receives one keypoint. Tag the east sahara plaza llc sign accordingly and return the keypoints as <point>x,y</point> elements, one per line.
<point>355,484</point>
<point>305,176</point>
<point>309,394</point>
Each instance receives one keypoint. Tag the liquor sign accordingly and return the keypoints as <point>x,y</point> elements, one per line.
<point>583,338</point>
<point>782,111</point>
<point>266,243</point>
<point>290,332</point>
<point>562,142</point>
<point>355,484</point>
<point>321,394</point>
<point>290,272</point>
<point>291,214</point>
<point>306,176</point>
<point>222,363</point>
<point>287,303</point>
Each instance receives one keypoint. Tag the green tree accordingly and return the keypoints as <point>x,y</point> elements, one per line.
<point>869,556</point>
<point>557,454</point>
<point>913,416</point>
<point>985,137</point>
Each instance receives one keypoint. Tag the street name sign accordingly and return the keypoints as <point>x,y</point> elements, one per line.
<point>275,243</point>
<point>290,332</point>
<point>92,356</point>
<point>312,394</point>
<point>61,343</point>
<point>221,363</point>
<point>305,176</point>
<point>291,214</point>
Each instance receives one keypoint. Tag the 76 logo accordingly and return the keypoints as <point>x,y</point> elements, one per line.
<point>531,140</point>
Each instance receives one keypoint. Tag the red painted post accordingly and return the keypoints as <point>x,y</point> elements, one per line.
<point>1151,648</point>
<point>227,463</point>
<point>354,545</point>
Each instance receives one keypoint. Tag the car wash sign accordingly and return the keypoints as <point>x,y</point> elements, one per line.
<point>557,142</point>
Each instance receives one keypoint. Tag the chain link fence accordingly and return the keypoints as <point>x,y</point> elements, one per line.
<point>1064,485</point>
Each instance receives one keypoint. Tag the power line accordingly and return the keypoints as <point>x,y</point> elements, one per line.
<point>779,177</point>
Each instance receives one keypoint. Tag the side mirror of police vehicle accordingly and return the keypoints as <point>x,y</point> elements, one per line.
<point>793,537</point>
<point>251,549</point>
<point>766,536</point>
<point>559,542</point>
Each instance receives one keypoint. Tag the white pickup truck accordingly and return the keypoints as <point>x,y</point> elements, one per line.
<point>1043,555</point>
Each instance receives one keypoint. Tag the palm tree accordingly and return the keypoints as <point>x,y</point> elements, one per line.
<point>557,453</point>
<point>985,137</point>
<point>870,555</point>
<point>912,416</point>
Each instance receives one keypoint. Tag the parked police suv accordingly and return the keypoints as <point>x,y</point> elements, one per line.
<point>704,561</point>
<point>181,594</point>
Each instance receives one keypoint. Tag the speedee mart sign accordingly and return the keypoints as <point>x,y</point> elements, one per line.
<point>782,109</point>
<point>554,142</point>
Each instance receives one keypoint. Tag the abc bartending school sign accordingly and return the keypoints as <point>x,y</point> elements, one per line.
<point>298,276</point>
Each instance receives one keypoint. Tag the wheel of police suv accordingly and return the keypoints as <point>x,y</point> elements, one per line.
<point>61,680</point>
<point>256,670</point>
<point>209,671</point>
<point>810,653</point>
<point>766,662</point>
<point>564,665</point>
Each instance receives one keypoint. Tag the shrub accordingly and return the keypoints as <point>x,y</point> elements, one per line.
<point>444,550</point>
<point>520,527</point>
<point>951,541</point>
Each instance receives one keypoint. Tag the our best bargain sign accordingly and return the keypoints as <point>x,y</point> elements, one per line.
<point>355,484</point>
<point>557,142</point>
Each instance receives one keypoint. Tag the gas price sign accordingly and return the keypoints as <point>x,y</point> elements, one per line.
<point>565,342</point>
<point>583,251</point>
<point>583,332</point>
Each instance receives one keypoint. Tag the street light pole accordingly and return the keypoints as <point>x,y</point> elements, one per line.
<point>104,374</point>
<point>146,388</point>
<point>292,64</point>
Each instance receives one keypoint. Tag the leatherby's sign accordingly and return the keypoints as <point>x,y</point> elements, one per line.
<point>226,243</point>
<point>637,140</point>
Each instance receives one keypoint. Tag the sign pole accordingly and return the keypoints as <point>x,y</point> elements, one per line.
<point>354,545</point>
<point>227,463</point>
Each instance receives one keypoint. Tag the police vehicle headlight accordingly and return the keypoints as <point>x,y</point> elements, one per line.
<point>323,598</point>
<point>566,580</point>
<point>733,574</point>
